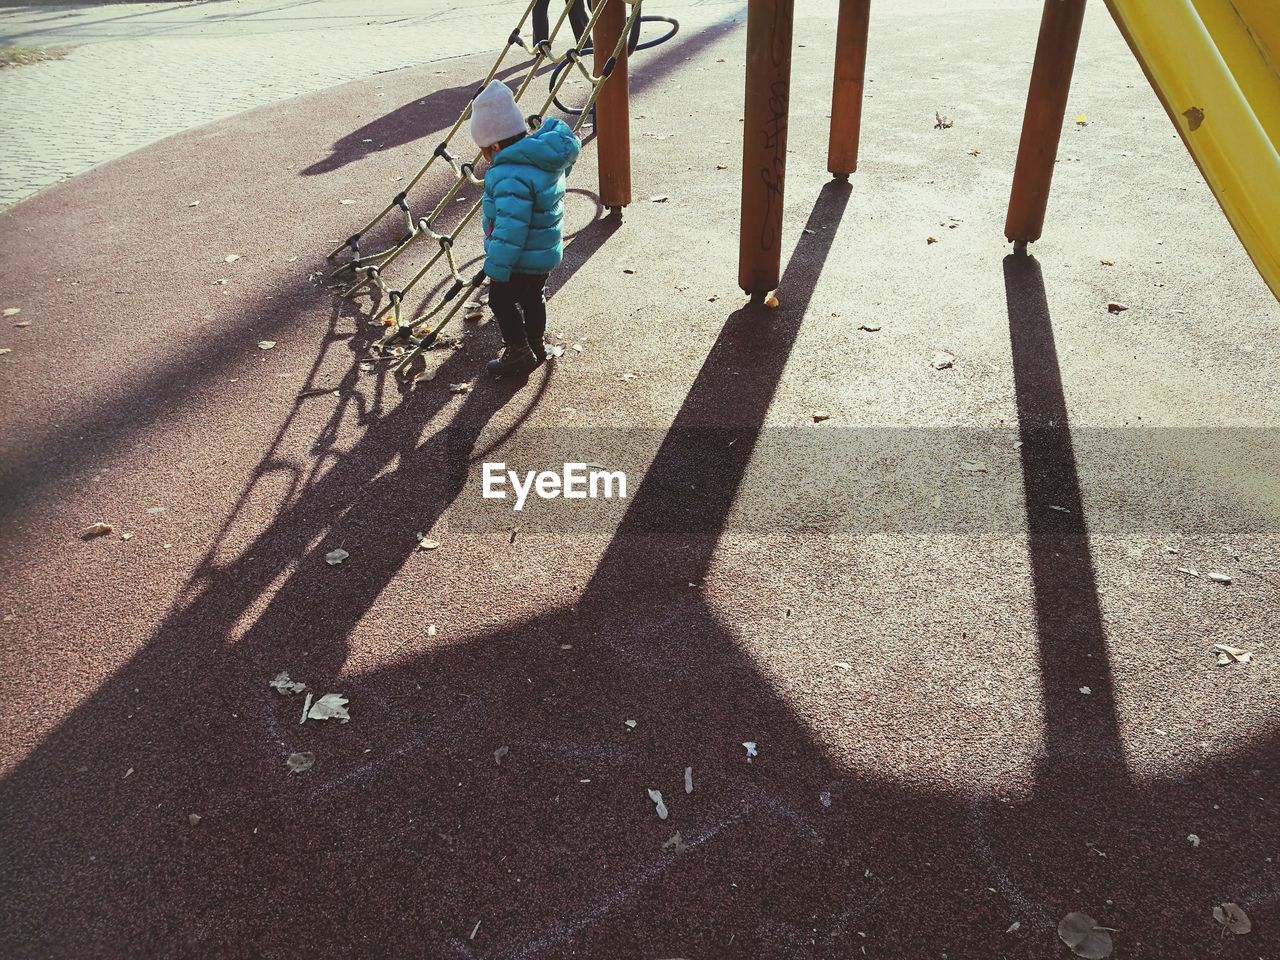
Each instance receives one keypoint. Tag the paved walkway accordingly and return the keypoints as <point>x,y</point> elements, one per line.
<point>137,73</point>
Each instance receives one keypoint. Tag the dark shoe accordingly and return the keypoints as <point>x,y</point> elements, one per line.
<point>513,362</point>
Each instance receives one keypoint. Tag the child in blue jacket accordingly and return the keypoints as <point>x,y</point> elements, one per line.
<point>523,213</point>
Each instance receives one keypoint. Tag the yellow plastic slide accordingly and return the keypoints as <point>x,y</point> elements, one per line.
<point>1216,66</point>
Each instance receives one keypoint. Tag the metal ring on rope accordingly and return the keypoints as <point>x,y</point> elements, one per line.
<point>674,28</point>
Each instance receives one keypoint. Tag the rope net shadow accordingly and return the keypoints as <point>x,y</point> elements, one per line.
<point>407,339</point>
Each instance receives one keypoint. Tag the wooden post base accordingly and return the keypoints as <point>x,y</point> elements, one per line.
<point>1042,124</point>
<point>613,109</point>
<point>846,89</point>
<point>764,143</point>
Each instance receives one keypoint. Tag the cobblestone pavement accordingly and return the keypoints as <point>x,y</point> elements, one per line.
<point>135,73</point>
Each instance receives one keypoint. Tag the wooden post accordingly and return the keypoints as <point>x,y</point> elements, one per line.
<point>764,144</point>
<point>846,90</point>
<point>613,108</point>
<point>1042,124</point>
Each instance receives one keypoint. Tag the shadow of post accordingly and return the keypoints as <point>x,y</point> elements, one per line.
<point>690,487</point>
<point>1072,635</point>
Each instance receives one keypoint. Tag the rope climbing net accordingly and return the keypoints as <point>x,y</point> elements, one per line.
<point>404,339</point>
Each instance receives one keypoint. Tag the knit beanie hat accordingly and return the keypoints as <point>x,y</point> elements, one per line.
<point>495,116</point>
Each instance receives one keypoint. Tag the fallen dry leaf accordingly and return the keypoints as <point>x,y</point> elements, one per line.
<point>1228,654</point>
<point>332,706</point>
<point>969,466</point>
<point>346,203</point>
<point>1081,120</point>
<point>266,344</point>
<point>869,327</point>
<point>499,754</point>
<point>975,153</point>
<point>194,819</point>
<point>688,779</point>
<point>1107,263</point>
<point>1233,919</point>
<point>335,557</point>
<point>1113,307</point>
<point>426,543</point>
<point>677,842</point>
<point>928,240</point>
<point>282,684</point>
<point>942,123</point>
<point>1079,932</point>
<point>459,388</point>
<point>751,748</point>
<point>943,360</point>
<point>656,797</point>
<point>4,350</point>
<point>97,530</point>
<point>820,415</point>
<point>12,311</point>
<point>1193,839</point>
<point>771,301</point>
<point>231,258</point>
<point>1219,578</point>
<point>298,762</point>
<point>660,198</point>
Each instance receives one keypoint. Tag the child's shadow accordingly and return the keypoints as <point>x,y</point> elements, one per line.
<point>410,123</point>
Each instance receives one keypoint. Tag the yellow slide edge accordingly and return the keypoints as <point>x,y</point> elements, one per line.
<point>1212,63</point>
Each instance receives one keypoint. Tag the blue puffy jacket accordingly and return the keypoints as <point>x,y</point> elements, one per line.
<point>523,205</point>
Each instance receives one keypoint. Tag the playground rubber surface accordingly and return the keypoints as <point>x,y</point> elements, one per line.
<point>931,777</point>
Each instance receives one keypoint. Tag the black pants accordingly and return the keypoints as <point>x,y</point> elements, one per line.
<point>520,307</point>
<point>578,19</point>
<point>541,27</point>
